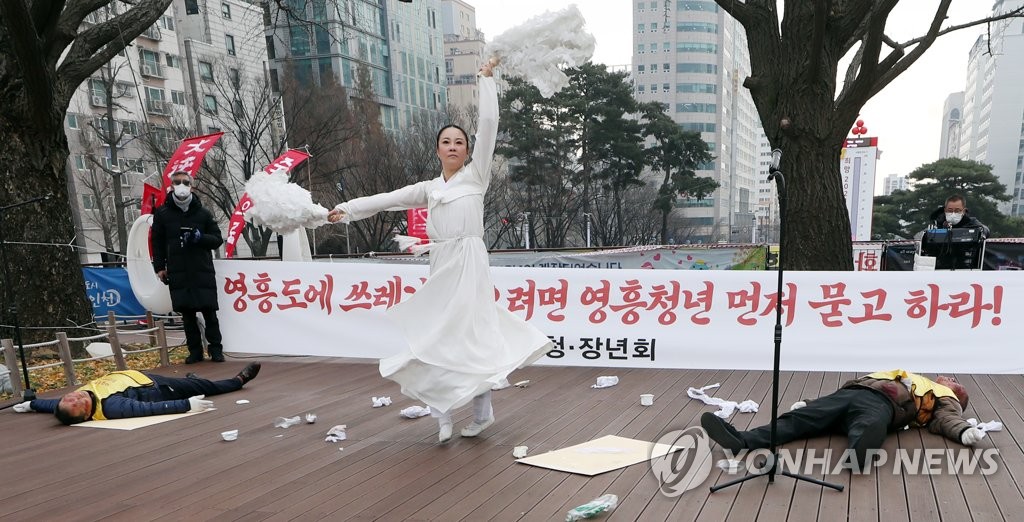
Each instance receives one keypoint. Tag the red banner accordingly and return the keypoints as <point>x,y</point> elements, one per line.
<point>189,156</point>
<point>286,162</point>
<point>152,198</point>
<point>416,223</point>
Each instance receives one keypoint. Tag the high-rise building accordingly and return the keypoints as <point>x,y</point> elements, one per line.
<point>189,72</point>
<point>894,182</point>
<point>992,126</point>
<point>949,143</point>
<point>397,44</point>
<point>463,51</point>
<point>693,56</point>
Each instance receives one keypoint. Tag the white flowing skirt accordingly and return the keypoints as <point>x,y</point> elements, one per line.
<point>461,342</point>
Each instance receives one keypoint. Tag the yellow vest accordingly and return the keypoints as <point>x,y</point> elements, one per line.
<point>923,390</point>
<point>114,382</point>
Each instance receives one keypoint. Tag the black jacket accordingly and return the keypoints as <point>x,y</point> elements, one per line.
<point>189,266</point>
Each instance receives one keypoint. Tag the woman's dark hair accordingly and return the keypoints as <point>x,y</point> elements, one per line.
<point>452,126</point>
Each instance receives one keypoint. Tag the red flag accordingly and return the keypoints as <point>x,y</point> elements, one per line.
<point>152,198</point>
<point>416,223</point>
<point>189,156</point>
<point>286,162</point>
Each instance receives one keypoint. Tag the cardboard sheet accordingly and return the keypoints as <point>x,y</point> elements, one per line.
<point>601,455</point>
<point>134,422</point>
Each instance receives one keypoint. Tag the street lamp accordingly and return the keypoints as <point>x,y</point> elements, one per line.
<point>526,230</point>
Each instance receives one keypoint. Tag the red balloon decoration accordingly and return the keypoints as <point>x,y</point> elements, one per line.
<point>860,123</point>
<point>859,129</point>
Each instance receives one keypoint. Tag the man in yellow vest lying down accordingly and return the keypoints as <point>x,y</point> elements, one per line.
<point>866,410</point>
<point>131,393</point>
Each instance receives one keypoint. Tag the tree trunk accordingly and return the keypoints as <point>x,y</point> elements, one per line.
<point>46,281</point>
<point>815,209</point>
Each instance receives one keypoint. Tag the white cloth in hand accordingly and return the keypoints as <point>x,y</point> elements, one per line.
<point>199,403</point>
<point>415,412</point>
<point>23,407</point>
<point>727,408</point>
<point>797,405</point>
<point>282,206</point>
<point>985,427</point>
<point>606,381</point>
<point>381,401</point>
<point>971,437</point>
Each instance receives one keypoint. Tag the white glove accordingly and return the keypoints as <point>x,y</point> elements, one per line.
<point>23,407</point>
<point>971,437</point>
<point>198,403</point>
<point>797,405</point>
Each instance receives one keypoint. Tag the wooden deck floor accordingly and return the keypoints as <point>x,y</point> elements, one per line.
<point>393,469</point>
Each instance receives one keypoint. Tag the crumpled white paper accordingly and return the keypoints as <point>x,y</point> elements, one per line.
<point>336,434</point>
<point>282,206</point>
<point>415,412</point>
<point>727,407</point>
<point>519,451</point>
<point>537,48</point>
<point>605,381</point>
<point>381,401</point>
<point>985,427</point>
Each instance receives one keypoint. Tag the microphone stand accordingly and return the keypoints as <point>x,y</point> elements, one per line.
<point>28,394</point>
<point>775,173</point>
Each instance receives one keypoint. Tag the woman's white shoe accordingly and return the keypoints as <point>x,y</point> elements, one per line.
<point>476,427</point>
<point>444,433</point>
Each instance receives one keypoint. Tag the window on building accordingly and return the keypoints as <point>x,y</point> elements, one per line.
<point>640,69</point>
<point>210,103</point>
<point>640,28</point>
<point>229,43</point>
<point>167,22</point>
<point>225,10</point>
<point>89,202</point>
<point>79,161</point>
<point>299,40</point>
<point>178,97</point>
<point>206,71</point>
<point>72,121</point>
<point>640,48</point>
<point>640,89</point>
<point>275,82</point>
<point>696,27</point>
<point>707,68</point>
<point>666,87</point>
<point>173,60</point>
<point>271,53</point>
<point>131,127</point>
<point>236,79</point>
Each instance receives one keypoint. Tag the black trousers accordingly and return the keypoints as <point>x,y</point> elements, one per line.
<point>173,388</point>
<point>861,414</point>
<point>194,339</point>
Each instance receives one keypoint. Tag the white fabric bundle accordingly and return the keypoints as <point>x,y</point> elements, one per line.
<point>536,48</point>
<point>415,412</point>
<point>985,427</point>
<point>727,407</point>
<point>283,207</point>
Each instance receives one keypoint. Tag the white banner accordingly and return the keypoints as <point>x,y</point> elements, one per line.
<point>944,321</point>
<point>857,166</point>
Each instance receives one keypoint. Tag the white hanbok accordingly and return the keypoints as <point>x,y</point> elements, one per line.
<point>461,342</point>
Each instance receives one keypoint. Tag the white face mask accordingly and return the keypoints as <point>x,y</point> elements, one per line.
<point>953,218</point>
<point>182,191</point>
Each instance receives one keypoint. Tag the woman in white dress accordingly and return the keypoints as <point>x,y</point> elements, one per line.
<point>461,342</point>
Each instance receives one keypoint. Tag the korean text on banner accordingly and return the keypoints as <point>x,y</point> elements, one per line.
<point>189,156</point>
<point>287,161</point>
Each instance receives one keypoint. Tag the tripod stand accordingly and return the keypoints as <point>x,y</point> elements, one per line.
<point>12,302</point>
<point>772,465</point>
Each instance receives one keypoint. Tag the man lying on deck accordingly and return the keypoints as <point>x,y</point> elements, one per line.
<point>131,393</point>
<point>866,410</point>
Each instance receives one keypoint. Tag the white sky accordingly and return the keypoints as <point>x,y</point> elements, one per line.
<point>906,116</point>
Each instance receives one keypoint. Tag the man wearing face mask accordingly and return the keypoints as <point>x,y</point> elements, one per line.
<point>954,215</point>
<point>184,237</point>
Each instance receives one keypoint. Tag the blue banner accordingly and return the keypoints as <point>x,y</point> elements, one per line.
<point>109,291</point>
